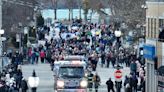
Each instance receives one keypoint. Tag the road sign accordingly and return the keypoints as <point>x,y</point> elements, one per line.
<point>118,74</point>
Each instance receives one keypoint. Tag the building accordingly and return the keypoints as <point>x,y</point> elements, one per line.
<point>154,18</point>
<point>154,22</point>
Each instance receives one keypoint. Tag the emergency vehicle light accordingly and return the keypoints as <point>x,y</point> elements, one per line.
<point>83,83</point>
<point>76,62</point>
<point>60,83</point>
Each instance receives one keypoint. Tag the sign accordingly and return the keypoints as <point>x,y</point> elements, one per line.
<point>118,75</point>
<point>149,52</point>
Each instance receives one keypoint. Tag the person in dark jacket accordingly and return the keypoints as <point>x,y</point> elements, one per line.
<point>143,85</point>
<point>127,86</point>
<point>97,81</point>
<point>118,85</point>
<point>126,81</point>
<point>102,59</point>
<point>110,85</point>
<point>134,83</point>
<point>90,81</point>
<point>18,76</point>
<point>133,67</point>
<point>2,86</point>
<point>24,86</point>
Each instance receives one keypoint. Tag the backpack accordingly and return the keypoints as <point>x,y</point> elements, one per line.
<point>37,54</point>
<point>96,78</point>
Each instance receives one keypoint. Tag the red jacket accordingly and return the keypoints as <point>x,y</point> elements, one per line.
<point>42,54</point>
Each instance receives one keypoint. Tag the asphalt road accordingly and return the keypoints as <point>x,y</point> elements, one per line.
<point>46,76</point>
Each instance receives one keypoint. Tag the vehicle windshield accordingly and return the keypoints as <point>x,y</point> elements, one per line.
<point>71,72</point>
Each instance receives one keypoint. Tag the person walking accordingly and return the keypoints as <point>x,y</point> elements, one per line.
<point>90,81</point>
<point>33,82</point>
<point>37,56</point>
<point>97,81</point>
<point>108,59</point>
<point>118,85</point>
<point>24,86</point>
<point>48,55</point>
<point>33,57</point>
<point>42,56</point>
<point>18,77</point>
<point>102,59</point>
<point>29,54</point>
<point>133,67</point>
<point>110,85</point>
<point>134,83</point>
<point>127,86</point>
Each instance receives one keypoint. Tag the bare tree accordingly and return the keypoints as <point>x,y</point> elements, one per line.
<point>129,10</point>
<point>54,4</point>
<point>70,4</point>
<point>14,14</point>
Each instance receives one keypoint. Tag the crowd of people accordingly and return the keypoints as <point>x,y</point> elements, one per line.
<point>96,42</point>
<point>12,80</point>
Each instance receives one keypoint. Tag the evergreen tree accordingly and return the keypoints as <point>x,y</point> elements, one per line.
<point>40,21</point>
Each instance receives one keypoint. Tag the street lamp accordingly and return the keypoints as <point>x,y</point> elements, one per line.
<point>145,7</point>
<point>2,31</point>
<point>33,82</point>
<point>117,35</point>
<point>36,10</point>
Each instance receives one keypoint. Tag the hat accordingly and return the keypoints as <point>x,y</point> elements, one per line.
<point>33,73</point>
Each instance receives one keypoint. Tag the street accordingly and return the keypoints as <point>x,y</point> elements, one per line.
<point>44,73</point>
<point>93,45</point>
<point>46,76</point>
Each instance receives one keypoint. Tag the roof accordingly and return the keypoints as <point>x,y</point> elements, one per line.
<point>74,57</point>
<point>70,63</point>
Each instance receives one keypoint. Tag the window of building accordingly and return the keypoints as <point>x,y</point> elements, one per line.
<point>155,28</point>
<point>148,27</point>
<point>161,22</point>
<point>151,32</point>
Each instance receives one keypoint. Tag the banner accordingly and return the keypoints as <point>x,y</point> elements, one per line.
<point>149,52</point>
